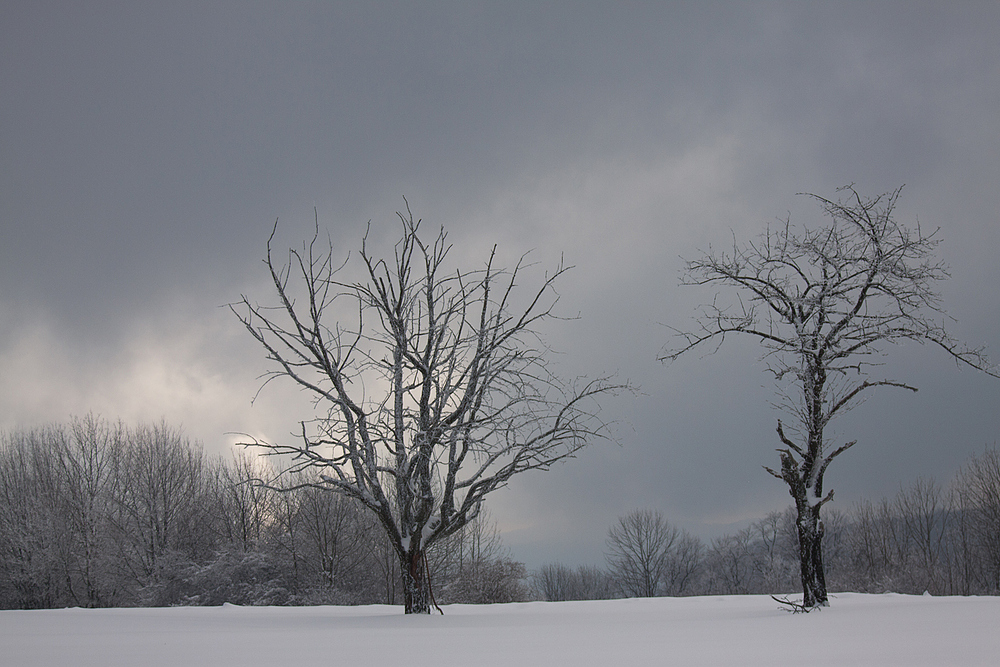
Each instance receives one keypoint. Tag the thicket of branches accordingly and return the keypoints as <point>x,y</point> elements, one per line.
<point>97,513</point>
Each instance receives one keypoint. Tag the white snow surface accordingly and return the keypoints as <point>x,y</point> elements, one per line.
<point>732,630</point>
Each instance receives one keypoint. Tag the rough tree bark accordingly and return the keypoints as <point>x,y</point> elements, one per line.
<point>432,387</point>
<point>822,302</point>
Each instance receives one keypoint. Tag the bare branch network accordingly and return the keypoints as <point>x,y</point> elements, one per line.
<point>824,304</point>
<point>433,384</point>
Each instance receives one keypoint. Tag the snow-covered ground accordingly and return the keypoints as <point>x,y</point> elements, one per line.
<point>735,630</point>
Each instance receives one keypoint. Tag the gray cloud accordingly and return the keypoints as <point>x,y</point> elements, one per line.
<point>146,152</point>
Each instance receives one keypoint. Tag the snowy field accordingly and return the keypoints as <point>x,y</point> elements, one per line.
<point>736,630</point>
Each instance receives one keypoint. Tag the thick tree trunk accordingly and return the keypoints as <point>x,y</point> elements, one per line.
<point>416,587</point>
<point>809,527</point>
<point>810,530</point>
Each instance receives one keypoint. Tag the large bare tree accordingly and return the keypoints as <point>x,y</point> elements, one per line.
<point>431,382</point>
<point>824,303</point>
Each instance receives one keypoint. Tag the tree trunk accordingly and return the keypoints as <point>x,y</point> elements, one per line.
<point>809,527</point>
<point>810,530</point>
<point>416,587</point>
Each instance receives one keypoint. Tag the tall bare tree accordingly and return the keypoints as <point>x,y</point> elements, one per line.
<point>160,503</point>
<point>824,303</point>
<point>432,385</point>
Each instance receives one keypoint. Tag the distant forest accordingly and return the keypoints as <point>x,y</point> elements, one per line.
<point>97,513</point>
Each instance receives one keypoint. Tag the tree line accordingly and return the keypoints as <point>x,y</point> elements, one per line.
<point>943,540</point>
<point>97,513</point>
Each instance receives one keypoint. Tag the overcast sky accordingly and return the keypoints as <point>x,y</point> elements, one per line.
<point>146,151</point>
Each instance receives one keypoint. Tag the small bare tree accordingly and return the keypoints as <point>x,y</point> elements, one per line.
<point>432,384</point>
<point>823,302</point>
<point>684,563</point>
<point>639,548</point>
<point>731,563</point>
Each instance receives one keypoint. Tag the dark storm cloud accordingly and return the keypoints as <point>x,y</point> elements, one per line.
<point>145,153</point>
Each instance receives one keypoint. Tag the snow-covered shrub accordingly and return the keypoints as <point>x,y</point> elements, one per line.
<point>242,578</point>
<point>488,582</point>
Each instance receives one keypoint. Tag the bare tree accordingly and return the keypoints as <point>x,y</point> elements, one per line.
<point>639,546</point>
<point>772,557</point>
<point>159,498</point>
<point>245,509</point>
<point>472,566</point>
<point>731,564</point>
<point>431,382</point>
<point>822,303</point>
<point>684,562</point>
<point>86,465</point>
<point>335,537</point>
<point>978,488</point>
<point>925,524</point>
<point>33,533</point>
